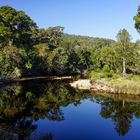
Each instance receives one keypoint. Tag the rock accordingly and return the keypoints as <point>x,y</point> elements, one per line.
<point>97,85</point>
<point>82,84</point>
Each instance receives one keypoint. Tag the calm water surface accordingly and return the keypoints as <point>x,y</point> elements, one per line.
<point>53,111</point>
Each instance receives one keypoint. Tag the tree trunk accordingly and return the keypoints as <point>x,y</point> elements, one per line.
<point>81,73</point>
<point>124,67</point>
<point>123,103</point>
<point>10,42</point>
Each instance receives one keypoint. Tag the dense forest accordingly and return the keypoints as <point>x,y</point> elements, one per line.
<point>27,50</point>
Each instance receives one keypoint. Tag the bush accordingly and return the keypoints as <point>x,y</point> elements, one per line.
<point>101,74</point>
<point>106,68</point>
<point>108,75</point>
<point>12,61</point>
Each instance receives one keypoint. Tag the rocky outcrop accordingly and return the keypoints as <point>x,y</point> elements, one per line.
<point>82,84</point>
<point>96,85</point>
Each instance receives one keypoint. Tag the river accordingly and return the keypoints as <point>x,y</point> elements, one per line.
<point>43,110</point>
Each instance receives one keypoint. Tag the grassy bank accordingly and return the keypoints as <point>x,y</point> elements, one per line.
<point>127,85</point>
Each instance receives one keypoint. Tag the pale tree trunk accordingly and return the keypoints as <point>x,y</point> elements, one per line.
<point>10,43</point>
<point>123,103</point>
<point>124,67</point>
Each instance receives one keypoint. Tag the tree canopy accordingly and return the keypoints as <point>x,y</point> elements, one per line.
<point>15,26</point>
<point>124,38</point>
<point>137,20</point>
<point>27,50</point>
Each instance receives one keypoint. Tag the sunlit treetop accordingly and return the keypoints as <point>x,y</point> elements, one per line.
<point>137,20</point>
<point>15,25</point>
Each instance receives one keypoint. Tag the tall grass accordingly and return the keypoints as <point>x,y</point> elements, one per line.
<point>126,85</point>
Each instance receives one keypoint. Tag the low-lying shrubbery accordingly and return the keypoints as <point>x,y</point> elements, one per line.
<point>129,84</point>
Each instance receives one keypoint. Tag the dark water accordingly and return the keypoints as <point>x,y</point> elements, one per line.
<point>54,111</point>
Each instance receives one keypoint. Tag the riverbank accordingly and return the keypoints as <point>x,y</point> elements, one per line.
<point>119,85</point>
<point>96,85</point>
<point>49,78</point>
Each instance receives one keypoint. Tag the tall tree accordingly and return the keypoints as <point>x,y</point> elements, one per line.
<point>15,26</point>
<point>124,38</point>
<point>54,35</point>
<point>137,20</point>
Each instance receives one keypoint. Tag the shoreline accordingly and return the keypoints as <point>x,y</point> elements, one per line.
<point>49,78</point>
<point>103,86</point>
<point>45,78</point>
<point>97,85</point>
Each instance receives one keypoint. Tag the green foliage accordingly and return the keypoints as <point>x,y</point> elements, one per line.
<point>26,50</point>
<point>85,41</point>
<point>29,96</point>
<point>106,68</point>
<point>106,72</point>
<point>59,61</point>
<point>39,36</point>
<point>137,20</point>
<point>15,27</point>
<point>103,75</point>
<point>12,62</point>
<point>124,48</point>
<point>54,35</point>
<point>37,60</point>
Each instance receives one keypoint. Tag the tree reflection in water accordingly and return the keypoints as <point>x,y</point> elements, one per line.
<point>120,111</point>
<point>22,104</point>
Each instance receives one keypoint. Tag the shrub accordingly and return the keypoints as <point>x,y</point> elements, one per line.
<point>106,68</point>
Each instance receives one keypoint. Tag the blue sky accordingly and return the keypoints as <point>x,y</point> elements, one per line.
<point>98,18</point>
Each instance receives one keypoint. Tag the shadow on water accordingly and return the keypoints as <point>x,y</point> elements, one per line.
<point>23,103</point>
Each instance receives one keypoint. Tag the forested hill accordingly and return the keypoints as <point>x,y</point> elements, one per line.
<point>87,41</point>
<point>27,50</point>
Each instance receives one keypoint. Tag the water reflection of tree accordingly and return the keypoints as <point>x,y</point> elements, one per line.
<point>21,104</point>
<point>121,112</point>
<point>18,131</point>
<point>48,136</point>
